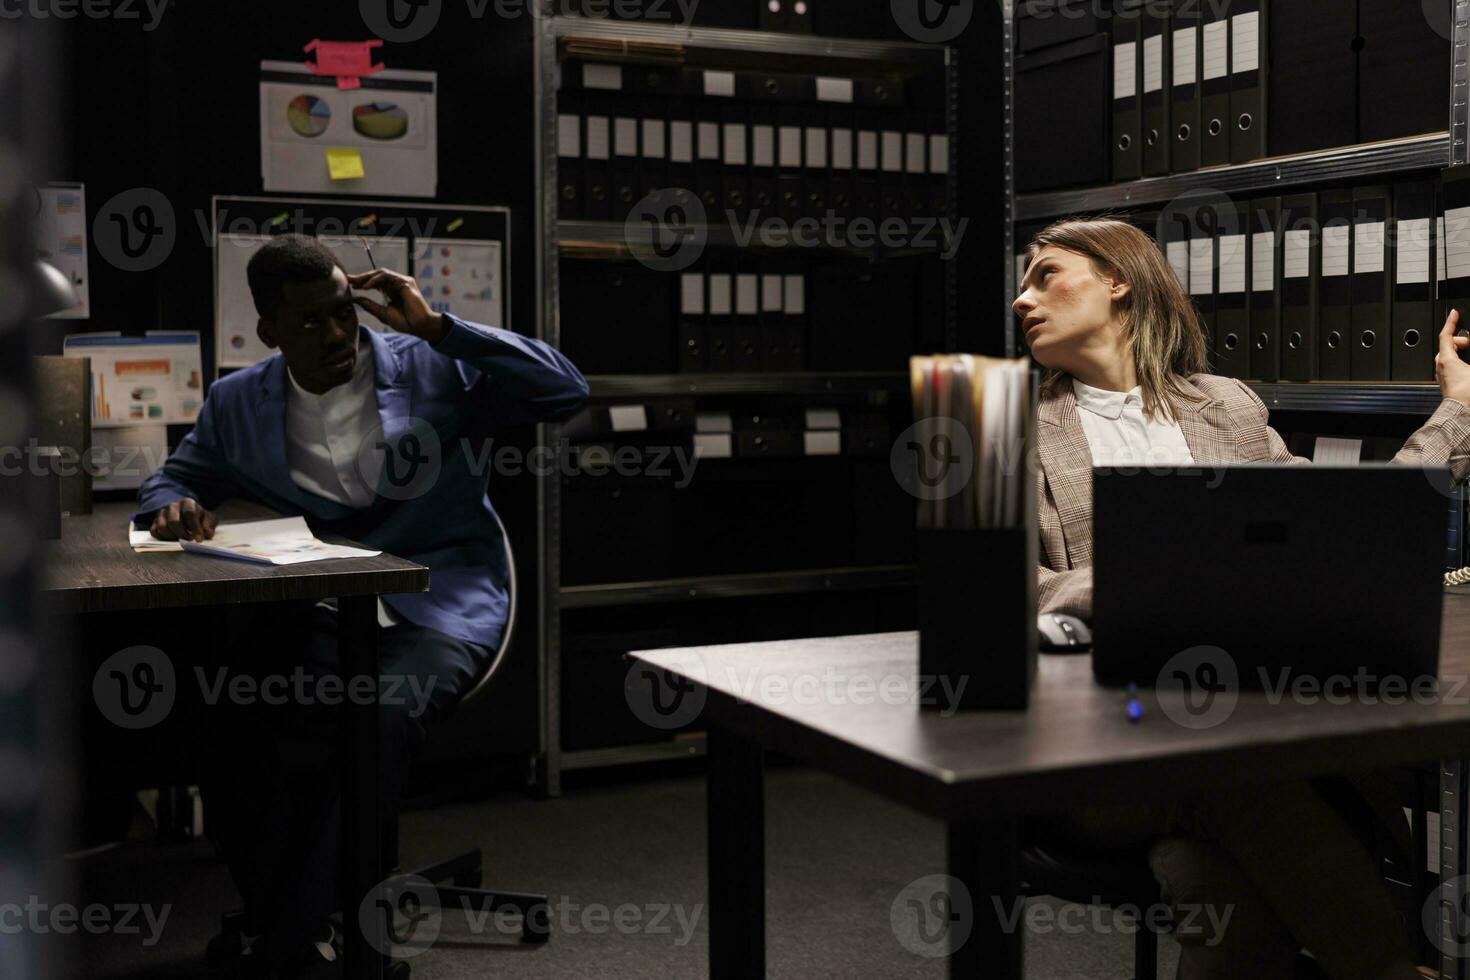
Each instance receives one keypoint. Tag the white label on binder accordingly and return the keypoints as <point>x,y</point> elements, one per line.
<point>790,146</point>
<point>609,77</point>
<point>834,89</point>
<point>1153,63</point>
<point>1178,253</point>
<point>1125,70</point>
<point>653,138</point>
<point>1457,243</point>
<point>712,445</point>
<point>1296,248</point>
<point>841,149</point>
<point>1186,64</point>
<point>762,146</point>
<point>734,144</point>
<point>1368,247</point>
<point>691,294</point>
<point>816,148</point>
<point>1245,41</point>
<point>1336,242</point>
<point>1413,251</point>
<point>681,141</point>
<point>747,294</point>
<point>914,146</point>
<point>597,137</point>
<point>795,295</point>
<point>771,293</point>
<point>625,137</point>
<point>568,136</point>
<point>1217,49</point>
<point>1439,248</point>
<point>822,443</point>
<point>709,141</point>
<point>719,294</point>
<point>1201,266</point>
<point>713,422</point>
<point>1232,263</point>
<point>892,152</point>
<point>1263,262</point>
<point>939,153</point>
<point>628,418</point>
<point>719,83</point>
<point>823,418</point>
<point>867,150</point>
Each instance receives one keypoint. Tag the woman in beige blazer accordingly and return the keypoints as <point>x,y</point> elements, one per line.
<point>1103,312</point>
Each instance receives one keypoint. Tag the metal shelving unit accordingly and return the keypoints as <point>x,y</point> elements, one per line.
<point>732,586</point>
<point>1331,396</point>
<point>606,40</point>
<point>736,383</point>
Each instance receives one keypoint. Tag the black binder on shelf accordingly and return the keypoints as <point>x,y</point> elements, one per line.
<point>1441,285</point>
<point>735,160</point>
<point>1372,284</point>
<point>865,179</point>
<point>721,321</point>
<point>916,168</point>
<point>624,162</point>
<point>1215,84</point>
<point>1265,304</point>
<point>693,335</point>
<point>1403,68</point>
<point>1232,300</point>
<point>1173,239</point>
<point>1312,100</point>
<point>1414,261</point>
<point>709,164</point>
<point>816,139</point>
<point>1156,63</point>
<point>1335,291</point>
<point>1202,266</point>
<point>597,163</point>
<point>681,151</point>
<point>747,347</point>
<point>890,166</point>
<point>938,203</point>
<point>653,148</point>
<point>1127,106</point>
<point>1301,270</point>
<point>1184,86</point>
<point>1248,63</point>
<point>569,169</point>
<point>789,140</point>
<point>794,311</point>
<point>1455,211</point>
<point>774,354</point>
<point>763,197</point>
<point>841,192</point>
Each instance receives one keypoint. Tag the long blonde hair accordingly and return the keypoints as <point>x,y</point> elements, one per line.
<point>1161,325</point>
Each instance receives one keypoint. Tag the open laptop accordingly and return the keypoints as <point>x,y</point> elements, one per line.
<point>1321,570</point>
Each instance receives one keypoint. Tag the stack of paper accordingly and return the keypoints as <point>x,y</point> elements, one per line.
<point>280,541</point>
<point>974,416</point>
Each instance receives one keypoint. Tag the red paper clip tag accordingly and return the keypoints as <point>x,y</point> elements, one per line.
<point>348,60</point>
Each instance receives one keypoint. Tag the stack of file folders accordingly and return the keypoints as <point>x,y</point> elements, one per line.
<point>970,442</point>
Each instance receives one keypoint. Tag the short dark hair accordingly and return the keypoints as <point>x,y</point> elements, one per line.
<point>283,259</point>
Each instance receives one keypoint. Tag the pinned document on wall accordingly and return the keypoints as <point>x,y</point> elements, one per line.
<point>61,239</point>
<point>378,138</point>
<point>464,278</point>
<point>155,379</point>
<point>124,456</point>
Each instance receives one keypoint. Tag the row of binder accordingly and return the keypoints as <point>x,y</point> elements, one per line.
<point>742,321</point>
<point>1168,86</point>
<point>1338,285</point>
<point>785,157</point>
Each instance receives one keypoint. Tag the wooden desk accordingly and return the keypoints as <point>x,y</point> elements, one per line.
<point>93,569</point>
<point>981,771</point>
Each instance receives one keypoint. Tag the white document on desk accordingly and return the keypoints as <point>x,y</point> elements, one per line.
<point>279,541</point>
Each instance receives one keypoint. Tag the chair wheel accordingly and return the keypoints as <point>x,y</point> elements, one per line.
<point>397,970</point>
<point>469,879</point>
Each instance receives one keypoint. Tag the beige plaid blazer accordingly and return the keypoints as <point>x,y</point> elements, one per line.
<point>1225,423</point>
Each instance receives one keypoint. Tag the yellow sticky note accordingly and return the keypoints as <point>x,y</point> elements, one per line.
<point>344,164</point>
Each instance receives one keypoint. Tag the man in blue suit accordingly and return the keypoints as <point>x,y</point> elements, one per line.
<point>370,435</point>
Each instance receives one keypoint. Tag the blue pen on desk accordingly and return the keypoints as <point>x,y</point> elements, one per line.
<point>1135,706</point>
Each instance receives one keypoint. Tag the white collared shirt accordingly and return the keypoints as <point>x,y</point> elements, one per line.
<point>323,435</point>
<point>1119,434</point>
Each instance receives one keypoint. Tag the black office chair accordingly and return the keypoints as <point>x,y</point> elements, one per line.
<point>457,880</point>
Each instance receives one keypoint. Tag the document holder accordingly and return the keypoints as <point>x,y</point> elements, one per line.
<point>977,618</point>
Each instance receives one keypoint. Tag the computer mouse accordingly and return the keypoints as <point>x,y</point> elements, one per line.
<point>1061,633</point>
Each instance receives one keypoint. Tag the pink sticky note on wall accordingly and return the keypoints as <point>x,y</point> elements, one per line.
<point>348,60</point>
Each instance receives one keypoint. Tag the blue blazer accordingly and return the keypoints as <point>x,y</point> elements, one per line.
<point>437,403</point>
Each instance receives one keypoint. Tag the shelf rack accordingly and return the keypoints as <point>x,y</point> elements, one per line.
<point>557,37</point>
